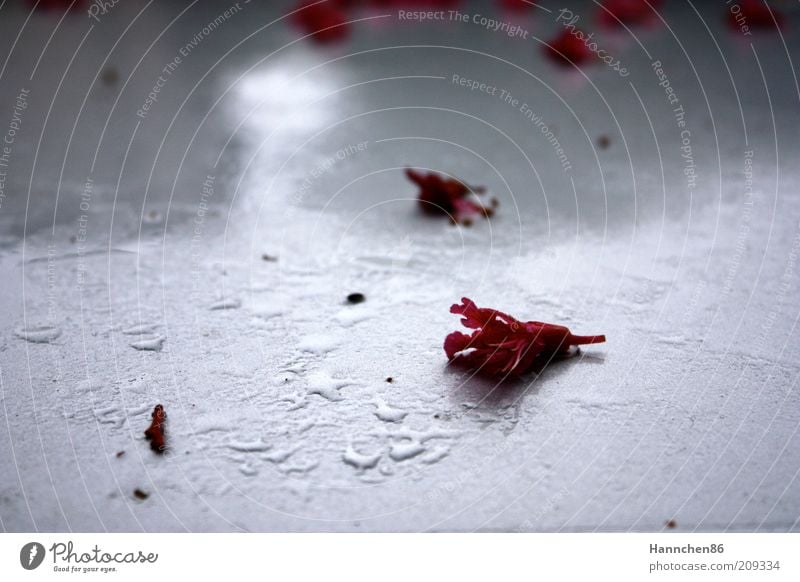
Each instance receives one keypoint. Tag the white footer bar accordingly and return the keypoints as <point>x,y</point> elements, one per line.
<point>402,557</point>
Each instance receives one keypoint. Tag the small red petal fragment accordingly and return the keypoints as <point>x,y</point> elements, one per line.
<point>568,48</point>
<point>325,21</point>
<point>439,196</point>
<point>155,433</point>
<point>454,343</point>
<point>753,14</point>
<point>502,345</point>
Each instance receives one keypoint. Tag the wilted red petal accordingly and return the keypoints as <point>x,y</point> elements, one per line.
<point>475,317</point>
<point>501,345</point>
<point>448,197</point>
<point>454,343</point>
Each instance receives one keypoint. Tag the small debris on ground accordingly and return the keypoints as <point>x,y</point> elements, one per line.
<point>109,76</point>
<point>355,298</point>
<point>155,432</point>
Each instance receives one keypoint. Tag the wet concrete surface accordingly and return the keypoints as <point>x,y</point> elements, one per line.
<point>132,258</point>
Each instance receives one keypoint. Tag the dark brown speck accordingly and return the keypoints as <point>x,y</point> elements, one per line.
<point>110,76</point>
<point>356,298</point>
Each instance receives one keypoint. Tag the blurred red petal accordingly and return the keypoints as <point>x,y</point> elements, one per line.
<point>325,21</point>
<point>567,49</point>
<point>447,196</point>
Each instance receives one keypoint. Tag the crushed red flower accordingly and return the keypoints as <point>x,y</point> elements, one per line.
<point>155,433</point>
<point>325,21</point>
<point>442,196</point>
<point>754,14</point>
<point>567,48</point>
<point>502,345</point>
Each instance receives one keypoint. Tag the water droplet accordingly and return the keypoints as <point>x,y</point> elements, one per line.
<point>406,450</point>
<point>153,344</point>
<point>258,446</point>
<point>360,461</point>
<point>43,334</point>
<point>228,303</point>
<point>387,413</point>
